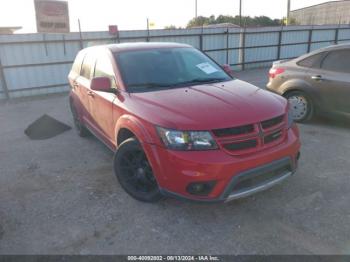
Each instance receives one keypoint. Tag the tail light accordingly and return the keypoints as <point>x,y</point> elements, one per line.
<point>275,72</point>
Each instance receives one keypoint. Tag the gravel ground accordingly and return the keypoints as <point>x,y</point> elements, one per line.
<point>59,196</point>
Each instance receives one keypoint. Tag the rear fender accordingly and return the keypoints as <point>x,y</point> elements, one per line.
<point>301,85</point>
<point>296,84</point>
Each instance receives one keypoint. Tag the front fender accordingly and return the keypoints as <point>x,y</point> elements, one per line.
<point>145,133</point>
<point>135,126</point>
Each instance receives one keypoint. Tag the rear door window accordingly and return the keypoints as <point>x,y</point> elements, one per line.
<point>313,61</point>
<point>337,61</point>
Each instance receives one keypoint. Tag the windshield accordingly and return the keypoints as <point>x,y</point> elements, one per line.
<point>147,70</point>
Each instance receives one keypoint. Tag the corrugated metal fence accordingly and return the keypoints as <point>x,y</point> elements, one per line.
<point>32,64</point>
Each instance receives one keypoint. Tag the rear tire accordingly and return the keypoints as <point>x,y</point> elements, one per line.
<point>134,172</point>
<point>301,106</point>
<point>79,126</point>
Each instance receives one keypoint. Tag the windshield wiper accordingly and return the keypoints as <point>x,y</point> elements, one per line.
<point>201,81</point>
<point>150,85</point>
<point>166,85</point>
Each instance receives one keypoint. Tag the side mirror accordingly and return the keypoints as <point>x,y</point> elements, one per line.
<point>102,84</point>
<point>227,69</point>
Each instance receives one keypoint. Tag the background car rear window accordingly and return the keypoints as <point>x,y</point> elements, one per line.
<point>338,61</point>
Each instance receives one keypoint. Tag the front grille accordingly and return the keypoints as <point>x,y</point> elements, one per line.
<point>272,137</point>
<point>244,139</point>
<point>247,182</point>
<point>234,131</point>
<point>272,122</point>
<point>242,145</point>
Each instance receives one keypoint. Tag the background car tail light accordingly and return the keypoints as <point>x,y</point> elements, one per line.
<point>275,71</point>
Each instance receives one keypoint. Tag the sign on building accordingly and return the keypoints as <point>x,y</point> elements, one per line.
<point>52,16</point>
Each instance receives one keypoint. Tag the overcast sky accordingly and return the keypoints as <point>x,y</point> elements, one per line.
<point>96,15</point>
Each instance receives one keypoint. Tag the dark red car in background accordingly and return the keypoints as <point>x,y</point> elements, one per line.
<point>179,124</point>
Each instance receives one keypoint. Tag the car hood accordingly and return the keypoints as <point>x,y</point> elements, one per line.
<point>208,106</point>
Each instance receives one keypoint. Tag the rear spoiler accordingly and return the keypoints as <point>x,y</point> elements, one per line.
<point>280,62</point>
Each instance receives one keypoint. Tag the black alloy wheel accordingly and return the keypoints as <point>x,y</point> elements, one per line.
<point>134,172</point>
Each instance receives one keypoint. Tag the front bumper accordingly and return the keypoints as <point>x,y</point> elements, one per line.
<point>235,176</point>
<point>231,194</point>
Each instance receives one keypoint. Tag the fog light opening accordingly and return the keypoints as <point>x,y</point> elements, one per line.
<point>201,188</point>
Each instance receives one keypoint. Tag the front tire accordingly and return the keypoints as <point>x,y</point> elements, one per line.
<point>301,106</point>
<point>134,172</point>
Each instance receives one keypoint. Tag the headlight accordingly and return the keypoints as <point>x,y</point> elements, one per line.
<point>290,116</point>
<point>186,140</point>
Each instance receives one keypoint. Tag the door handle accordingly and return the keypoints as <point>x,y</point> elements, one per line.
<point>90,93</point>
<point>317,78</point>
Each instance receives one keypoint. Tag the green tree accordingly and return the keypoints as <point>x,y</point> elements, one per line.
<point>246,21</point>
<point>170,27</point>
<point>198,21</point>
<point>263,21</point>
<point>292,21</point>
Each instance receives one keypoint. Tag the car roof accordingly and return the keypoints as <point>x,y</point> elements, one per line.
<point>335,47</point>
<point>135,46</point>
<point>324,49</point>
<point>330,48</point>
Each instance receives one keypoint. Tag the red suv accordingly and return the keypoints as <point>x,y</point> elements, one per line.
<point>179,124</point>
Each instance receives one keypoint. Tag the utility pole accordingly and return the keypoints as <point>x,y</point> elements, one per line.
<point>240,13</point>
<point>288,12</point>
<point>196,9</point>
<point>147,39</point>
<point>80,35</point>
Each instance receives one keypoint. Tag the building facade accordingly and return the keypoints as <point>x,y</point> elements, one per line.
<point>329,13</point>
